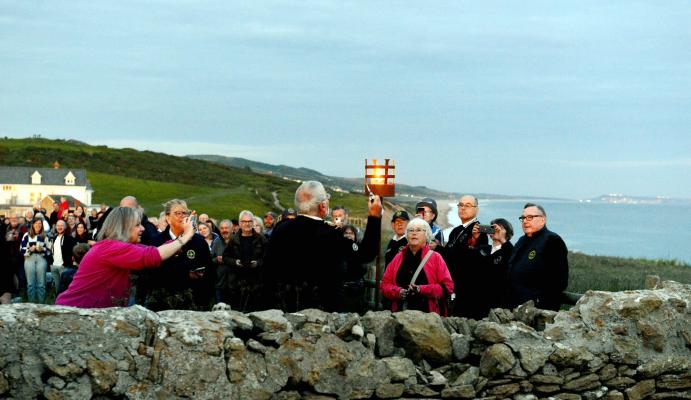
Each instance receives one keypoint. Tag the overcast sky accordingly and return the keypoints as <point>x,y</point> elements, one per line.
<point>565,99</point>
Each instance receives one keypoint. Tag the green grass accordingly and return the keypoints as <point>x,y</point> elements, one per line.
<point>588,272</point>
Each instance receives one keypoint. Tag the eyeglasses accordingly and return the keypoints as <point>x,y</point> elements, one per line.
<point>528,217</point>
<point>415,230</point>
<point>466,205</point>
<point>181,213</point>
<point>246,222</point>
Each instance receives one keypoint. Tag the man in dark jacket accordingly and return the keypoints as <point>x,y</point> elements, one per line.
<point>244,258</point>
<point>464,263</point>
<point>399,221</point>
<point>307,256</point>
<point>538,268</point>
<point>62,252</point>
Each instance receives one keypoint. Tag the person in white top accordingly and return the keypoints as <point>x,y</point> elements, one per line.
<point>62,252</point>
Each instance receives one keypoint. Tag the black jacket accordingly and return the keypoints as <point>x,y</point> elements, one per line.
<point>66,246</point>
<point>393,248</point>
<point>539,270</point>
<point>307,260</point>
<point>465,265</point>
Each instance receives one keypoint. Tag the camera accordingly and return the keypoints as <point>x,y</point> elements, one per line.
<point>488,229</point>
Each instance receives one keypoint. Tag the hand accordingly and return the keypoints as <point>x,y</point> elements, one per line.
<point>476,232</point>
<point>413,290</point>
<point>403,294</point>
<point>219,259</point>
<point>188,229</point>
<point>195,275</point>
<point>374,207</point>
<point>253,264</point>
<point>32,248</point>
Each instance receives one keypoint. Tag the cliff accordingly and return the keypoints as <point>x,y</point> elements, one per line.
<point>624,345</point>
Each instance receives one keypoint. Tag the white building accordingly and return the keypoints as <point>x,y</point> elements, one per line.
<point>26,186</point>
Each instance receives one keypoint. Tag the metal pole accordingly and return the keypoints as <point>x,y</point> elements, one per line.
<point>378,271</point>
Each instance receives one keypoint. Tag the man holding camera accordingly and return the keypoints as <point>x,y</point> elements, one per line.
<point>464,262</point>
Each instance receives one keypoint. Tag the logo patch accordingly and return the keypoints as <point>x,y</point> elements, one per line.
<point>191,254</point>
<point>531,255</point>
<point>355,247</point>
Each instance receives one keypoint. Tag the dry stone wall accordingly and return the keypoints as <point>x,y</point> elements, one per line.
<point>626,345</point>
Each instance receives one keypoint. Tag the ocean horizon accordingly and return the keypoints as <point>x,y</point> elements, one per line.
<point>652,231</point>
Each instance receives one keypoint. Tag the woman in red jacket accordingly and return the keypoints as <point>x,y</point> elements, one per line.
<point>432,283</point>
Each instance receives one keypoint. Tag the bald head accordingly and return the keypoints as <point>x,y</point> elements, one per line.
<point>129,201</point>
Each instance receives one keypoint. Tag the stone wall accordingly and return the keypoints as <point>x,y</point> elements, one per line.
<point>627,345</point>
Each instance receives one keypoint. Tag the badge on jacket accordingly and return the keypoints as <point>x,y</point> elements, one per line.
<point>531,255</point>
<point>191,254</point>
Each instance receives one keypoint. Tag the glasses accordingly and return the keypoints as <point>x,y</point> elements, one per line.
<point>466,205</point>
<point>528,217</point>
<point>181,213</point>
<point>246,222</point>
<point>415,230</point>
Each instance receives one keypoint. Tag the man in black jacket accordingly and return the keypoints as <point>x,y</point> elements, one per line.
<point>62,252</point>
<point>464,263</point>
<point>538,268</point>
<point>307,257</point>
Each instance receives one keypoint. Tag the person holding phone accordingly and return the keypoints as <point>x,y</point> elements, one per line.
<point>103,277</point>
<point>35,249</point>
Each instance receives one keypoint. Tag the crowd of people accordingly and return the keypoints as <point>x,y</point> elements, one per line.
<point>307,257</point>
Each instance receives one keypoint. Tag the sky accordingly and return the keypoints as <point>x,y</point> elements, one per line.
<point>562,99</point>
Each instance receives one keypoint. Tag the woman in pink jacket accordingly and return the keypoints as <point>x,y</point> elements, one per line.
<point>432,283</point>
<point>103,277</point>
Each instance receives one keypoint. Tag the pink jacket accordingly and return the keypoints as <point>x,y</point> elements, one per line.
<point>436,272</point>
<point>103,277</point>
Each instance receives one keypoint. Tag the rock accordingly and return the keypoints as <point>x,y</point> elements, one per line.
<point>345,329</point>
<point>461,346</point>
<point>78,389</point>
<point>399,368</point>
<point>491,332</point>
<point>671,395</point>
<point>390,390</point>
<point>370,341</point>
<point>500,315</point>
<point>651,282</point>
<point>497,359</point>
<point>437,380</point>
<point>659,367</point>
<point>469,377</point>
<point>504,390</point>
<point>608,372</point>
<point>674,382</point>
<point>53,381</point>
<point>620,382</point>
<point>526,386</point>
<point>358,332</point>
<point>458,392</point>
<point>567,396</point>
<point>102,373</point>
<point>384,327</point>
<point>547,389</point>
<point>270,321</point>
<point>525,397</point>
<point>583,383</point>
<point>595,394</point>
<point>546,379</point>
<point>641,390</point>
<point>614,395</point>
<point>423,336</point>
<point>417,390</point>
<point>566,356</point>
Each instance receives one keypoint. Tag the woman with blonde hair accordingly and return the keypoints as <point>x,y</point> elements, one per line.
<point>103,277</point>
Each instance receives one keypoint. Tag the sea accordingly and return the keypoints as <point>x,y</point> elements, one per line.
<point>653,231</point>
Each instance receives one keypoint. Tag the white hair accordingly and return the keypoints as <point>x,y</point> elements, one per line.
<point>308,196</point>
<point>418,222</point>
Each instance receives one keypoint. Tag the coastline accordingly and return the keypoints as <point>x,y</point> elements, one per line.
<point>443,209</point>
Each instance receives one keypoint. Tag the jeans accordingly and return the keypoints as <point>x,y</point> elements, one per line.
<point>56,271</point>
<point>35,267</point>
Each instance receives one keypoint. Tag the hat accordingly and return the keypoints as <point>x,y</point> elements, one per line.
<point>402,214</point>
<point>289,213</point>
<point>273,214</point>
<point>431,203</point>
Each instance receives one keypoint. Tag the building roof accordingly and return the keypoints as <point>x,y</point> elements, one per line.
<point>49,176</point>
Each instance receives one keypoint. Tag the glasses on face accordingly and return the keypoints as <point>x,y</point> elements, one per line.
<point>415,230</point>
<point>181,213</point>
<point>466,205</point>
<point>246,222</point>
<point>528,217</point>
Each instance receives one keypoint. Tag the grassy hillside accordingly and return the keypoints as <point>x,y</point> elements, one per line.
<point>219,190</point>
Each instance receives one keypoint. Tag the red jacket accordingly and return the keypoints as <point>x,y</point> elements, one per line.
<point>437,274</point>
